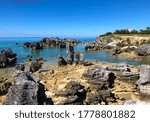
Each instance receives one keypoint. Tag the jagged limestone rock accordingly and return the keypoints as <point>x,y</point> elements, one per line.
<point>26,90</point>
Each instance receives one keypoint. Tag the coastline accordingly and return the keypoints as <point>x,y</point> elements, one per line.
<point>55,78</point>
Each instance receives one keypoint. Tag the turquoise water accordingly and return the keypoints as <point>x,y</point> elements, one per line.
<point>51,53</point>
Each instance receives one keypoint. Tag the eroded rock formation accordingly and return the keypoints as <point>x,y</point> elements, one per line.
<point>26,90</point>
<point>144,81</point>
<point>7,57</point>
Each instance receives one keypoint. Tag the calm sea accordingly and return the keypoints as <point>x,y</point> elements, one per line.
<point>51,53</point>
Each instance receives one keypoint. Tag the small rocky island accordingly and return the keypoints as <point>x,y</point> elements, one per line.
<point>49,42</point>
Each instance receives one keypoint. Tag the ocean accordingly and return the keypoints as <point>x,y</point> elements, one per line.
<point>50,53</point>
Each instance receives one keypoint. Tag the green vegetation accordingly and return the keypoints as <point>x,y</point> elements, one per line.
<point>127,32</point>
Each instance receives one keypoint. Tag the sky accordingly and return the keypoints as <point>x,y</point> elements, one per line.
<point>71,18</point>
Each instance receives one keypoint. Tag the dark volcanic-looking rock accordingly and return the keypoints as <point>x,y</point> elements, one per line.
<point>36,45</point>
<point>79,58</point>
<point>74,94</point>
<point>35,66</point>
<point>61,61</point>
<point>100,81</point>
<point>20,67</point>
<point>70,54</point>
<point>29,58</point>
<point>61,43</point>
<point>101,74</point>
<point>27,44</point>
<point>7,57</point>
<point>26,90</point>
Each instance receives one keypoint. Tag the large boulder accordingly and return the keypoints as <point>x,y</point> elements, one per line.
<point>26,90</point>
<point>29,58</point>
<point>102,74</point>
<point>79,58</point>
<point>61,61</point>
<point>128,76</point>
<point>144,74</point>
<point>74,94</point>
<point>116,50</point>
<point>144,81</point>
<point>70,53</point>
<point>36,45</point>
<point>144,50</point>
<point>35,66</point>
<point>121,67</point>
<point>7,57</point>
<point>27,44</point>
<point>61,43</point>
<point>20,67</point>
<point>100,80</point>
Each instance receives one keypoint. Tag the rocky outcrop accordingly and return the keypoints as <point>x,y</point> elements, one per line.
<point>34,66</point>
<point>121,67</point>
<point>61,61</point>
<point>26,90</point>
<point>144,50</point>
<point>128,49</point>
<point>101,81</point>
<point>29,58</point>
<point>61,43</point>
<point>7,57</point>
<point>20,67</point>
<point>4,85</point>
<point>100,43</point>
<point>36,45</point>
<point>144,81</point>
<point>128,76</point>
<point>79,58</point>
<point>27,44</point>
<point>74,94</point>
<point>144,74</point>
<point>70,54</point>
<point>57,42</point>
<point>116,51</point>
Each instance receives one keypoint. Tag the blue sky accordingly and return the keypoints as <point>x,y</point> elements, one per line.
<point>71,18</point>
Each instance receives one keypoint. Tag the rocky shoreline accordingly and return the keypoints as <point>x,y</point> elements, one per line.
<point>74,81</point>
<point>100,83</point>
<point>127,47</point>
